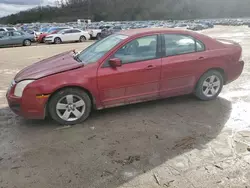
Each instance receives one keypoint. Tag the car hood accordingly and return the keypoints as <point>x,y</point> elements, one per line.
<point>56,64</point>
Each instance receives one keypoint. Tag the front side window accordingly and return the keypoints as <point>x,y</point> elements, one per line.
<point>140,49</point>
<point>68,31</point>
<point>64,31</point>
<point>75,31</point>
<point>97,50</point>
<point>15,33</point>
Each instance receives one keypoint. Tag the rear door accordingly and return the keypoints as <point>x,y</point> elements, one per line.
<point>4,40</point>
<point>182,59</point>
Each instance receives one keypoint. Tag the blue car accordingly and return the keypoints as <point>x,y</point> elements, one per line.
<point>16,38</point>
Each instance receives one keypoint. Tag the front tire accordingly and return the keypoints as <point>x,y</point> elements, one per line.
<point>70,106</point>
<point>209,86</point>
<point>82,39</point>
<point>57,40</point>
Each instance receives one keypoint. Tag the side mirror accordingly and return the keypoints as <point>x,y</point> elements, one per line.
<point>115,62</point>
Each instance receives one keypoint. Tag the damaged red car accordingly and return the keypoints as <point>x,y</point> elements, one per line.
<point>127,67</point>
<point>53,30</point>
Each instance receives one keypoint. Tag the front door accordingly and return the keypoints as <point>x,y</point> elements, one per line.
<point>184,58</point>
<point>76,34</point>
<point>67,36</point>
<point>137,79</point>
<point>17,37</point>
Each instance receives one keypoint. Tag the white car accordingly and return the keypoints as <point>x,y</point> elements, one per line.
<point>95,33</point>
<point>5,29</point>
<point>68,35</point>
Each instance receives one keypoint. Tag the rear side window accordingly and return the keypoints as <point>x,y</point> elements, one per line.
<point>2,30</point>
<point>181,44</point>
<point>199,46</point>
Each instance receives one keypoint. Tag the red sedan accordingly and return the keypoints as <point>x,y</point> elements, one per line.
<point>128,67</point>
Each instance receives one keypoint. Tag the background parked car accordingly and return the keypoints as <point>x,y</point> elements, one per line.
<point>16,38</point>
<point>68,35</point>
<point>131,61</point>
<point>96,33</point>
<point>41,31</point>
<point>5,29</point>
<point>109,31</point>
<point>52,30</point>
<point>8,29</point>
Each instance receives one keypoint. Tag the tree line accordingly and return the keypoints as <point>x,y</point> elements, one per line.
<point>112,10</point>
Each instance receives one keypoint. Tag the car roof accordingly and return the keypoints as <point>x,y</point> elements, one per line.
<point>142,31</point>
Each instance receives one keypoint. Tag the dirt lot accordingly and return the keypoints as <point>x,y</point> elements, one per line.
<point>177,142</point>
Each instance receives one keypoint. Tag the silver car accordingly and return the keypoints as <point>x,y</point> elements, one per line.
<point>16,38</point>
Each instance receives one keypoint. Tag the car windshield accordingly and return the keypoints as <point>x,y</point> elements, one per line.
<point>51,30</point>
<point>97,50</point>
<point>43,29</point>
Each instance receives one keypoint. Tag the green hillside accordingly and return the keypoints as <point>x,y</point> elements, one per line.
<point>133,10</point>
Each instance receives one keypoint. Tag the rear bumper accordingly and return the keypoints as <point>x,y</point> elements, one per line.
<point>235,71</point>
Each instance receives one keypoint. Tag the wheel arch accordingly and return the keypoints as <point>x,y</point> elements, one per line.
<point>26,39</point>
<point>57,37</point>
<point>92,98</point>
<point>219,69</point>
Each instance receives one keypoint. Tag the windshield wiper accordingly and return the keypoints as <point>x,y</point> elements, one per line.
<point>76,57</point>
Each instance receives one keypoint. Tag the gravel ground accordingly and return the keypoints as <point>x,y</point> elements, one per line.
<point>177,142</point>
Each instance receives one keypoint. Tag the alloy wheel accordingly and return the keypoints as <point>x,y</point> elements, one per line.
<point>70,108</point>
<point>211,86</point>
<point>58,41</point>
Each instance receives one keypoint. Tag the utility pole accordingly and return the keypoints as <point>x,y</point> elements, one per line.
<point>40,4</point>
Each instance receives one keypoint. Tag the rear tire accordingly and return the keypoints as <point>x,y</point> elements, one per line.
<point>57,40</point>
<point>209,86</point>
<point>27,42</point>
<point>70,106</point>
<point>82,39</point>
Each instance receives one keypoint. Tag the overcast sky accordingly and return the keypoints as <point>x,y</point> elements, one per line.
<point>13,6</point>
